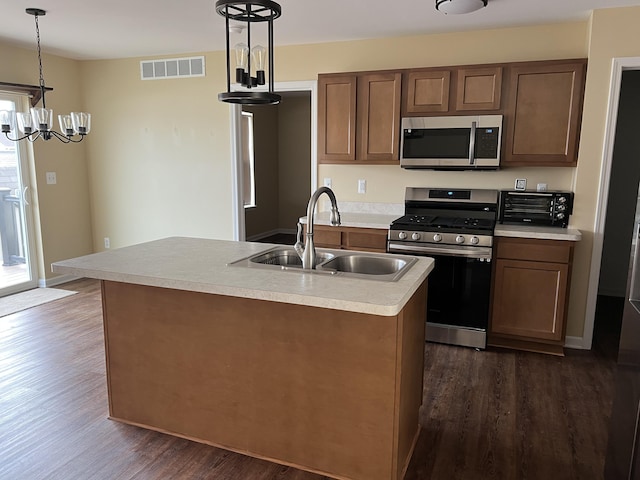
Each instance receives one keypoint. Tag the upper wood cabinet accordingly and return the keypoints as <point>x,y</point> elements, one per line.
<point>359,118</point>
<point>337,118</point>
<point>544,113</point>
<point>359,114</point>
<point>479,88</point>
<point>427,91</point>
<point>449,91</point>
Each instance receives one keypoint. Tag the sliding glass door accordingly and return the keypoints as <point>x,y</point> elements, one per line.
<point>17,268</point>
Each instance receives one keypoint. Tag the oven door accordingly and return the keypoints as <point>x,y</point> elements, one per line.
<point>459,292</point>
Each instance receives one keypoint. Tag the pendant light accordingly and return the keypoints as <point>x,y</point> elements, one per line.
<point>249,59</point>
<point>38,122</point>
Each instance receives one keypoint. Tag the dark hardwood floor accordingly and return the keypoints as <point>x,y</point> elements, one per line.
<point>494,414</point>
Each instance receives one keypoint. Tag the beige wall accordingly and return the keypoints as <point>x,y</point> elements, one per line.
<point>294,141</point>
<point>264,216</point>
<point>613,33</point>
<point>282,165</point>
<point>63,209</point>
<point>159,155</point>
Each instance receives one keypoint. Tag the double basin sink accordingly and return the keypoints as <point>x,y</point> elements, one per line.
<point>345,263</point>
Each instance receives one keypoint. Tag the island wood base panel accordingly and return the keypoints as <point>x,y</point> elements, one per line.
<point>328,391</point>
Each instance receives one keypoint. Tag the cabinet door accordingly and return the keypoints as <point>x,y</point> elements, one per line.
<point>529,299</point>
<point>544,114</point>
<point>479,88</point>
<point>379,97</point>
<point>328,237</point>
<point>366,239</point>
<point>427,91</point>
<point>336,118</point>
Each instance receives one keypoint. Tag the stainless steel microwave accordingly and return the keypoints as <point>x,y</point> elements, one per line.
<point>451,143</point>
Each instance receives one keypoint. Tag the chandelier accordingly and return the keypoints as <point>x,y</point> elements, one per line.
<point>38,122</point>
<point>249,11</point>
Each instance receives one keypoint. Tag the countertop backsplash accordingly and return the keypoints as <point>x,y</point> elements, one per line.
<point>365,207</point>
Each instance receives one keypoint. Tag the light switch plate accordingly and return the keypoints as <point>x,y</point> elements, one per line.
<point>521,184</point>
<point>362,186</point>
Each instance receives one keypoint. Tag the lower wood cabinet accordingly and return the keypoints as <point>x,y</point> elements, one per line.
<point>350,238</point>
<point>530,294</point>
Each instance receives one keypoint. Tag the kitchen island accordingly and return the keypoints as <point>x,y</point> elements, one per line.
<point>316,371</point>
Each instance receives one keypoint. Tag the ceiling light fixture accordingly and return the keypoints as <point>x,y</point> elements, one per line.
<point>38,122</point>
<point>455,7</point>
<point>249,11</point>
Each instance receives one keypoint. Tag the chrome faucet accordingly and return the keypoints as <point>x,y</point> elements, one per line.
<point>307,251</point>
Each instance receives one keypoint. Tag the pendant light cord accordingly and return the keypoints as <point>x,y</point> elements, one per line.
<point>40,62</point>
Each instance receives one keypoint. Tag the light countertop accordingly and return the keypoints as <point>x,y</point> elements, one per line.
<point>202,265</point>
<point>534,231</point>
<point>357,220</point>
<point>382,221</point>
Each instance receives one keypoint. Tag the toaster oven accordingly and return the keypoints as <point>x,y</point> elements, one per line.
<point>535,208</point>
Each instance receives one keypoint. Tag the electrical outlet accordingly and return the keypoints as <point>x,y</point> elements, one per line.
<point>51,178</point>
<point>327,182</point>
<point>107,242</point>
<point>542,187</point>
<point>362,186</point>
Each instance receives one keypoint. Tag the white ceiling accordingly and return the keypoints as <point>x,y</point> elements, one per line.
<point>91,29</point>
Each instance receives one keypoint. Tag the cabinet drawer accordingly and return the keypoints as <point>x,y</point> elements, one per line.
<point>554,251</point>
<point>366,239</point>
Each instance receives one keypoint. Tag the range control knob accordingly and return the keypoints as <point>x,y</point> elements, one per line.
<point>560,216</point>
<point>402,236</point>
<point>415,236</point>
<point>561,208</point>
<point>474,240</point>
<point>561,199</point>
<point>437,237</point>
<point>459,239</point>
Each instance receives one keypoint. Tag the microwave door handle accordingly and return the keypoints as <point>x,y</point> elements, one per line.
<point>472,143</point>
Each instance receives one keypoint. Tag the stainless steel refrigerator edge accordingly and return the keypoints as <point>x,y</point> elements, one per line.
<point>623,457</point>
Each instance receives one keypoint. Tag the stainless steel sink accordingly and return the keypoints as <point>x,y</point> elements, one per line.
<point>286,257</point>
<point>366,264</point>
<point>372,266</point>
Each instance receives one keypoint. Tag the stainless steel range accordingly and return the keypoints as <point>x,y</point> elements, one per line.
<point>455,227</point>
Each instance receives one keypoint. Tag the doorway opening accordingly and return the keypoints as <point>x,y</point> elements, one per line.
<point>17,270</point>
<point>283,145</point>
<point>617,215</point>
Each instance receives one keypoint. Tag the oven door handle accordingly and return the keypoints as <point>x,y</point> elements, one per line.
<point>474,252</point>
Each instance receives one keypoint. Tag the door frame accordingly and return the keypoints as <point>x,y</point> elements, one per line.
<point>618,65</point>
<point>235,110</point>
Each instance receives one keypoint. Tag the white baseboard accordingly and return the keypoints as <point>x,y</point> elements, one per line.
<point>575,342</point>
<point>59,280</point>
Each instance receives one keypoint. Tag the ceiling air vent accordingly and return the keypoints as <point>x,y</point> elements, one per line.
<point>172,68</point>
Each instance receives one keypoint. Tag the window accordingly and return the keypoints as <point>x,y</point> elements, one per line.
<point>248,165</point>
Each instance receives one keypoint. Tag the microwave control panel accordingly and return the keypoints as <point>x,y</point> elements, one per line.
<point>487,142</point>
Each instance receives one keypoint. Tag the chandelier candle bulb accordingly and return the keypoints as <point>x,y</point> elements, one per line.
<point>38,123</point>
